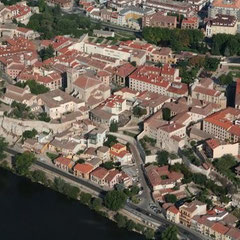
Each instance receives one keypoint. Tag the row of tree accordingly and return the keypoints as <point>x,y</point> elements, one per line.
<point>177,39</point>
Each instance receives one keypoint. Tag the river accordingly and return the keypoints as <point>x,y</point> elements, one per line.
<point>30,211</point>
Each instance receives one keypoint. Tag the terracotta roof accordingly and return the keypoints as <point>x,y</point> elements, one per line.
<point>213,143</point>
<point>234,233</point>
<point>64,161</point>
<point>83,168</point>
<point>173,209</point>
<point>220,228</point>
<point>111,175</point>
<point>99,173</point>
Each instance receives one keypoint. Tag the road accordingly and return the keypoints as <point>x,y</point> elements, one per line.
<point>139,211</point>
<point>147,196</point>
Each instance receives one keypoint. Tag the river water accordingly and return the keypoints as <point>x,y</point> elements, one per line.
<point>30,211</point>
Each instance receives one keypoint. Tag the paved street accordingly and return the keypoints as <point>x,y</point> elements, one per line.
<point>147,197</point>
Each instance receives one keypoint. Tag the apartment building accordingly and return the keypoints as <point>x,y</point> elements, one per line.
<point>20,12</point>
<point>159,19</point>
<point>153,79</point>
<point>230,7</point>
<point>64,163</point>
<point>182,8</point>
<point>190,23</point>
<point>204,90</point>
<point>115,105</point>
<point>96,137</point>
<point>56,103</point>
<point>132,13</point>
<point>216,149</point>
<point>163,55</point>
<point>173,214</point>
<point>171,136</point>
<point>20,95</point>
<point>224,125</point>
<point>83,170</point>
<point>162,178</point>
<point>189,210</point>
<point>198,4</point>
<point>119,4</point>
<point>222,24</point>
<point>121,76</point>
<point>119,153</point>
<point>217,224</point>
<point>109,51</point>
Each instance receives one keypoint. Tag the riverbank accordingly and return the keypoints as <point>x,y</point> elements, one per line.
<point>88,197</point>
<point>31,211</point>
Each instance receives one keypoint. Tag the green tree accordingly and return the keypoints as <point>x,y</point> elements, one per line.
<point>97,203</point>
<point>149,233</point>
<point>171,233</point>
<point>108,165</point>
<point>24,162</point>
<point>46,53</point>
<point>85,198</point>
<point>139,112</point>
<point>166,112</point>
<point>3,147</point>
<point>211,64</point>
<point>41,5</point>
<point>111,140</point>
<point>121,220</point>
<point>226,79</point>
<point>113,126</point>
<point>170,198</point>
<point>29,133</point>
<point>162,157</point>
<point>130,225</point>
<point>59,184</point>
<point>115,200</point>
<point>139,228</point>
<point>43,116</point>
<point>39,176</point>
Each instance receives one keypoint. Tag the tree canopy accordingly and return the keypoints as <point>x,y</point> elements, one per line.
<point>24,162</point>
<point>29,133</point>
<point>170,198</point>
<point>3,146</point>
<point>46,53</point>
<point>51,22</point>
<point>162,157</point>
<point>177,39</point>
<point>170,233</point>
<point>35,87</point>
<point>225,44</point>
<point>115,200</point>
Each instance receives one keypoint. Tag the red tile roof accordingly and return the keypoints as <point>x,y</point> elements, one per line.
<point>64,161</point>
<point>100,173</point>
<point>83,168</point>
<point>173,209</point>
<point>220,228</point>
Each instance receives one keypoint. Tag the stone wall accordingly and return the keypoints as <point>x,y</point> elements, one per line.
<point>17,126</point>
